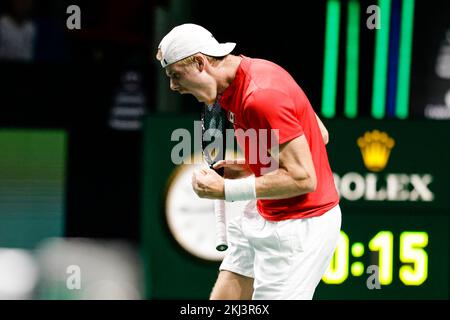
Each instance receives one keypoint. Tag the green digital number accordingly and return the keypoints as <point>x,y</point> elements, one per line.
<point>383,243</point>
<point>337,271</point>
<point>411,251</point>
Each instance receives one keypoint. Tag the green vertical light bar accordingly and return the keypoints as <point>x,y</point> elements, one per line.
<point>381,60</point>
<point>330,65</point>
<point>352,60</point>
<point>404,65</point>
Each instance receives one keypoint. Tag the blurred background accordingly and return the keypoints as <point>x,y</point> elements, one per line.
<point>91,205</point>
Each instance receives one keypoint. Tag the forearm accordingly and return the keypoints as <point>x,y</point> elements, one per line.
<point>281,185</point>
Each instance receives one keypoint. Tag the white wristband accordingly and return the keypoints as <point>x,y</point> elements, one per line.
<point>240,189</point>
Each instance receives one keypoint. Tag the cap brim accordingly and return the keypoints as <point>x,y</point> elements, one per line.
<point>216,50</point>
<point>219,50</point>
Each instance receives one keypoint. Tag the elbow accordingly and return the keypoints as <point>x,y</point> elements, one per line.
<point>311,185</point>
<point>325,137</point>
<point>311,180</point>
<point>306,183</point>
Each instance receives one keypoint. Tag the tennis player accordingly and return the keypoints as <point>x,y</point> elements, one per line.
<point>282,244</point>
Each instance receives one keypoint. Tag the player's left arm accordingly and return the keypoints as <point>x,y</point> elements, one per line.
<point>295,176</point>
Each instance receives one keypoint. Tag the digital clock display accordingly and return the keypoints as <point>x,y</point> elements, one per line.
<point>394,201</point>
<point>402,256</point>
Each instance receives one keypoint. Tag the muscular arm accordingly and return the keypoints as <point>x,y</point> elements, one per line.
<point>295,176</point>
<point>323,130</point>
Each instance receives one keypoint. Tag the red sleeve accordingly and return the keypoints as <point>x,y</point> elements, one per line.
<point>272,109</point>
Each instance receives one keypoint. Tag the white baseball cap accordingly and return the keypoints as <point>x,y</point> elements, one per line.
<point>188,39</point>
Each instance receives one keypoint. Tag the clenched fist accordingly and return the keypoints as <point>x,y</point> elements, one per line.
<point>208,184</point>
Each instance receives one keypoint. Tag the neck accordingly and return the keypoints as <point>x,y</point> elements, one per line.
<point>227,72</point>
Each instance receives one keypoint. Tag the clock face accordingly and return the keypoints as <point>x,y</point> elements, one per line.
<point>191,219</point>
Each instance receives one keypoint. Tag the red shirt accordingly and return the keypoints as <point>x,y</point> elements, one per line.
<point>264,96</point>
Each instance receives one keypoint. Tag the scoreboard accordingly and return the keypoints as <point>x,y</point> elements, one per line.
<point>391,177</point>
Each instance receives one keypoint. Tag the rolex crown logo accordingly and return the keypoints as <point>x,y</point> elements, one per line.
<point>375,148</point>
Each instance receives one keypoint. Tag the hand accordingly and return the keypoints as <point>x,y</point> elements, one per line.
<point>208,184</point>
<point>234,169</point>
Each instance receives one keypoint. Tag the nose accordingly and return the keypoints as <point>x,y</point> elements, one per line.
<point>173,85</point>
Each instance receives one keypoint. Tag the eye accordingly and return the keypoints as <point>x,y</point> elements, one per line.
<point>175,76</point>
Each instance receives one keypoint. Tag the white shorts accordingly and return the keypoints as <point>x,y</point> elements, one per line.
<point>288,258</point>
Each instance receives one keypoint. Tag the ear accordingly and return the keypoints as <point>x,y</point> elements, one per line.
<point>200,62</point>
<point>159,55</point>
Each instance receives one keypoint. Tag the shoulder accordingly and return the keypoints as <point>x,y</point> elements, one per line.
<point>256,67</point>
<point>265,95</point>
<point>264,76</point>
<point>266,100</point>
